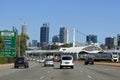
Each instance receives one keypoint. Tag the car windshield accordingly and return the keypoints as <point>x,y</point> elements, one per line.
<point>66,58</point>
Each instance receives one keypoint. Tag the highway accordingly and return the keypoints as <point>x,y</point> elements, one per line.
<point>36,71</point>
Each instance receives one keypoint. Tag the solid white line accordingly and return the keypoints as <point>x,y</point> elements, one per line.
<point>41,77</point>
<point>89,76</point>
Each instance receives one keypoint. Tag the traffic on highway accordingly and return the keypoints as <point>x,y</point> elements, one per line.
<point>37,71</point>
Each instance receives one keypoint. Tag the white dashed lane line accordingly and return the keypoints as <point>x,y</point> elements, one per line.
<point>89,76</point>
<point>41,77</point>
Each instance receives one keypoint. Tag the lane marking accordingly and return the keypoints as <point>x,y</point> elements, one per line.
<point>41,77</point>
<point>89,76</point>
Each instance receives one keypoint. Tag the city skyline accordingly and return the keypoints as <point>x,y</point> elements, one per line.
<point>89,17</point>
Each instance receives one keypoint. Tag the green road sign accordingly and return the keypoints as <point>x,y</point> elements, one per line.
<point>9,38</point>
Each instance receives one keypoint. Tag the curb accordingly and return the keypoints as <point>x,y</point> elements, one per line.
<point>5,65</point>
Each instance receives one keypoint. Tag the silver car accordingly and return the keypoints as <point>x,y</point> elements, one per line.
<point>49,62</point>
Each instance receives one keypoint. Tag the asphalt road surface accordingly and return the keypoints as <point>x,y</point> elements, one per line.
<point>37,71</point>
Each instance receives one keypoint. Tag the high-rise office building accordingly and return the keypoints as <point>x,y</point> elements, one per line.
<point>91,39</point>
<point>24,28</point>
<point>63,35</point>
<point>44,35</point>
<point>55,39</point>
<point>109,41</point>
<point>34,43</point>
<point>118,40</point>
<point>113,42</point>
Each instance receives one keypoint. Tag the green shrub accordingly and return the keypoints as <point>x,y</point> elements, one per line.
<point>3,60</point>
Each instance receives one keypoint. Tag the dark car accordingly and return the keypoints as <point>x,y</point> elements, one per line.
<point>21,62</point>
<point>89,61</point>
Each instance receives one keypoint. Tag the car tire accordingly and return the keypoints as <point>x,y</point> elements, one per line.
<point>61,67</point>
<point>85,63</point>
<point>15,66</point>
<point>92,64</point>
<point>25,66</point>
<point>72,67</point>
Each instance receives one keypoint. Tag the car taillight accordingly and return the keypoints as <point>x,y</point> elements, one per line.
<point>60,62</point>
<point>25,61</point>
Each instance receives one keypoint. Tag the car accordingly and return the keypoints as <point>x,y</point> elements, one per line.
<point>21,62</point>
<point>42,61</point>
<point>89,61</point>
<point>55,59</point>
<point>67,61</point>
<point>49,62</point>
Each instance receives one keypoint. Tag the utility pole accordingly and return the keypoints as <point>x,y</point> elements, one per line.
<point>73,37</point>
<point>19,47</point>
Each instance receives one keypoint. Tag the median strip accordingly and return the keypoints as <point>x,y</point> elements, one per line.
<point>108,64</point>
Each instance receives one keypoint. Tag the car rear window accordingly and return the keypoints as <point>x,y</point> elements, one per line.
<point>90,59</point>
<point>49,59</point>
<point>66,58</point>
<point>20,59</point>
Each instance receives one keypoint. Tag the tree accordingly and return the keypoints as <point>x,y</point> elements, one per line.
<point>66,45</point>
<point>1,43</point>
<point>23,44</point>
<point>2,59</point>
<point>53,47</point>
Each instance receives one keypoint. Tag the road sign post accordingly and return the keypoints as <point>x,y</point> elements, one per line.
<point>9,38</point>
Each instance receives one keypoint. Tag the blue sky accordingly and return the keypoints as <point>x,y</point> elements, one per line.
<point>99,17</point>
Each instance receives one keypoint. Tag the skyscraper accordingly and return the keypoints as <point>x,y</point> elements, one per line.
<point>63,35</point>
<point>55,39</point>
<point>44,35</point>
<point>118,40</point>
<point>109,41</point>
<point>91,39</point>
<point>24,28</point>
<point>34,43</point>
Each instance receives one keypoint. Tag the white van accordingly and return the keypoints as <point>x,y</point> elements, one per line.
<point>67,61</point>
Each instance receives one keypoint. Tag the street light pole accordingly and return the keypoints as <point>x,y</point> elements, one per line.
<point>19,47</point>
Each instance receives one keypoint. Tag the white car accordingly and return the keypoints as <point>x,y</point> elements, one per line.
<point>42,61</point>
<point>67,61</point>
